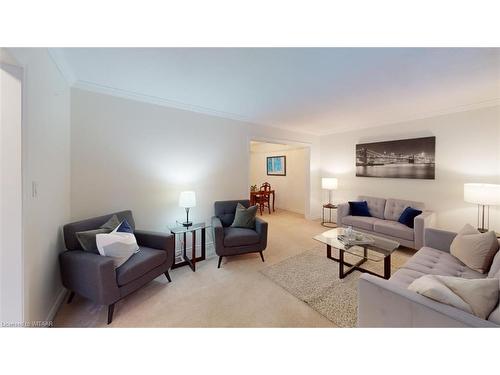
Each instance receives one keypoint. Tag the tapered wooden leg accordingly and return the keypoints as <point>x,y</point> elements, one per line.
<point>70,298</point>
<point>111,309</point>
<point>168,276</point>
<point>220,260</point>
<point>261,256</point>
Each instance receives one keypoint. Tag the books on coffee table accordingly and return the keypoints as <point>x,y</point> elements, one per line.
<point>357,238</point>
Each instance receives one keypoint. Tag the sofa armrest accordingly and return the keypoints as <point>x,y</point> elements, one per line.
<point>218,232</point>
<point>438,239</point>
<point>425,220</point>
<point>382,303</point>
<point>261,228</point>
<point>89,275</point>
<point>342,211</point>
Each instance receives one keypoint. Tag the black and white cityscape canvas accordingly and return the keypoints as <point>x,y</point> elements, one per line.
<point>405,158</point>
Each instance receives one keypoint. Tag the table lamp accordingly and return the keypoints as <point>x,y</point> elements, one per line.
<point>187,199</point>
<point>484,195</point>
<point>330,184</point>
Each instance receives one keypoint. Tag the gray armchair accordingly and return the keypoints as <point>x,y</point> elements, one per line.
<point>236,241</point>
<point>94,276</point>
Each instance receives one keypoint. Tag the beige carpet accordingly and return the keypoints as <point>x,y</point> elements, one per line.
<point>313,278</point>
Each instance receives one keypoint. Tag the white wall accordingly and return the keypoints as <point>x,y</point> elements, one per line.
<point>134,155</point>
<point>467,150</point>
<point>46,161</point>
<point>11,257</point>
<point>290,190</point>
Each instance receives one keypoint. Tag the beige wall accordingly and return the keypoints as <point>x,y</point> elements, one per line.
<point>466,151</point>
<point>46,161</point>
<point>292,189</point>
<point>129,154</point>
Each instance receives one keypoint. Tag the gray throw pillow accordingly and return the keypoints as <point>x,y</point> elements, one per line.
<point>87,238</point>
<point>244,217</point>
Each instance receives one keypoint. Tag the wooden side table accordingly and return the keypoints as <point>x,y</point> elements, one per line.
<point>182,230</point>
<point>329,223</point>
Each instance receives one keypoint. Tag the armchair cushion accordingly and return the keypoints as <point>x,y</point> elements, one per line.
<point>139,264</point>
<point>244,217</point>
<point>87,238</point>
<point>240,237</point>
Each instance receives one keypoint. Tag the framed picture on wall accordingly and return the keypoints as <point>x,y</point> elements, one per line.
<point>404,158</point>
<point>276,165</point>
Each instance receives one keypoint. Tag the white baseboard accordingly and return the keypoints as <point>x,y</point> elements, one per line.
<point>57,303</point>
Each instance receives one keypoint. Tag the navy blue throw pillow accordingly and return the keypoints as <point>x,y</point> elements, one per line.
<point>408,215</point>
<point>359,208</point>
<point>125,227</point>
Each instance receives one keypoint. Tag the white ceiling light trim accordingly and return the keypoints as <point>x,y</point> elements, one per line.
<point>126,94</point>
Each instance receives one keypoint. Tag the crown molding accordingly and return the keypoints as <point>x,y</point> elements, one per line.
<point>57,56</point>
<point>126,94</point>
<point>424,115</point>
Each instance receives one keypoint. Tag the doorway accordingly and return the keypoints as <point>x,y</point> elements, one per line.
<point>11,257</point>
<point>286,168</point>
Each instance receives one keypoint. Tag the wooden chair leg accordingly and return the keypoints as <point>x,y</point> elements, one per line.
<point>168,276</point>
<point>220,260</point>
<point>70,298</point>
<point>261,256</point>
<point>111,309</point>
<point>269,207</point>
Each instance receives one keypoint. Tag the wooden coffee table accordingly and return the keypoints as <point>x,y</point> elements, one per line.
<point>380,250</point>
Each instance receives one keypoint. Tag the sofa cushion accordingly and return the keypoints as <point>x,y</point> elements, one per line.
<point>475,296</point>
<point>475,249</point>
<point>404,277</point>
<point>408,216</point>
<point>240,237</point>
<point>394,229</point>
<point>139,264</point>
<point>362,222</point>
<point>395,207</point>
<point>430,261</point>
<point>495,265</point>
<point>376,205</point>
<point>359,209</point>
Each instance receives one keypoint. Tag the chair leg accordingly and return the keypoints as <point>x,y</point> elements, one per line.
<point>70,298</point>
<point>111,309</point>
<point>269,207</point>
<point>261,256</point>
<point>168,276</point>
<point>220,260</point>
<point>260,209</point>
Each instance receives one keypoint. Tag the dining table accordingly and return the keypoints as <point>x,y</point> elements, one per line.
<point>253,194</point>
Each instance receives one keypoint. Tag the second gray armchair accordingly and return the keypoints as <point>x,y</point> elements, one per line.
<point>236,241</point>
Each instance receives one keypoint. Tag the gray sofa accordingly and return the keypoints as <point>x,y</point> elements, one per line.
<point>389,303</point>
<point>94,276</point>
<point>236,241</point>
<point>384,220</point>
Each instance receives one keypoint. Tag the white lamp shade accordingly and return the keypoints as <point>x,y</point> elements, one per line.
<point>484,194</point>
<point>187,199</point>
<point>329,183</point>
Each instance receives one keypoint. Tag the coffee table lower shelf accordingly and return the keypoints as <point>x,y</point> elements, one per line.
<point>356,266</point>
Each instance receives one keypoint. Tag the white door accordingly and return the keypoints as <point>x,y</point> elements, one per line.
<point>11,258</point>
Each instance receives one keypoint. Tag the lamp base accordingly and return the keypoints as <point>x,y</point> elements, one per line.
<point>187,223</point>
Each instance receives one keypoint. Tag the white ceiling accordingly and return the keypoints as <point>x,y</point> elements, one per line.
<point>314,90</point>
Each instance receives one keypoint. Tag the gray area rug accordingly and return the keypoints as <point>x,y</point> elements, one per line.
<point>313,278</point>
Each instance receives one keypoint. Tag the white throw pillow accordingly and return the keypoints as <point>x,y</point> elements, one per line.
<point>120,244</point>
<point>475,296</point>
<point>474,249</point>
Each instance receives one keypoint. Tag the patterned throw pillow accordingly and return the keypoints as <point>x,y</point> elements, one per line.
<point>87,239</point>
<point>120,244</point>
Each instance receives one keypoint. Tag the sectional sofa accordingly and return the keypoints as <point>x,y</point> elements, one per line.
<point>389,303</point>
<point>384,220</point>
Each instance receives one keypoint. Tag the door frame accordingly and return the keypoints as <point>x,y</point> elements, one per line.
<point>308,214</point>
